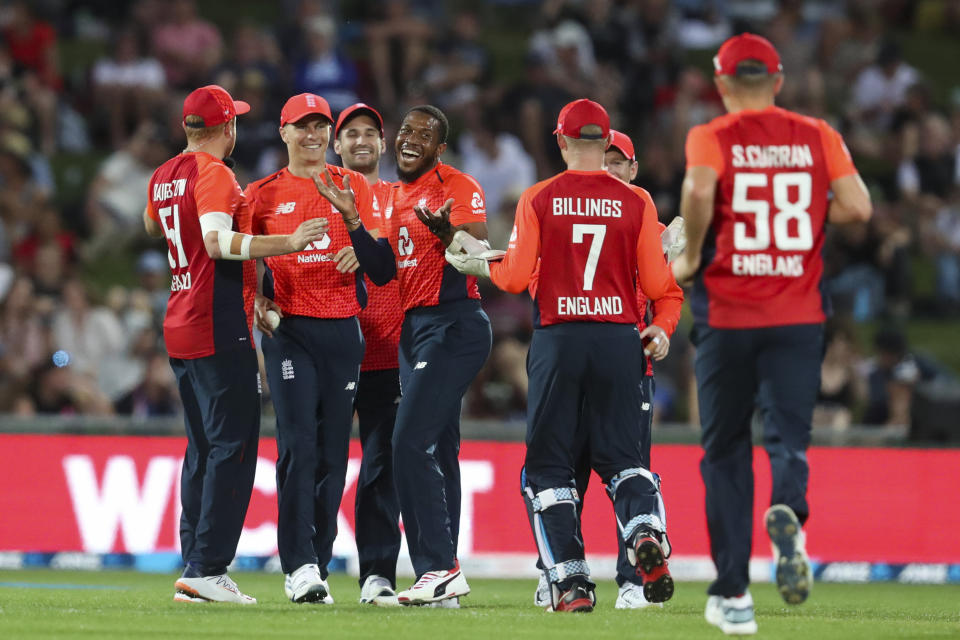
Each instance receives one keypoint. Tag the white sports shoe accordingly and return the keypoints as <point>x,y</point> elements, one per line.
<point>377,590</point>
<point>734,616</point>
<point>306,585</point>
<point>449,603</point>
<point>219,588</point>
<point>630,596</point>
<point>794,573</point>
<point>434,586</point>
<point>541,598</point>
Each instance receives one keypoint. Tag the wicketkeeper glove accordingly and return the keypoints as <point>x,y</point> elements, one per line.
<point>471,265</point>
<point>674,238</point>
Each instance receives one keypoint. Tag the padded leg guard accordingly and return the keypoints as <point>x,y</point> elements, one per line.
<point>638,504</point>
<point>553,519</point>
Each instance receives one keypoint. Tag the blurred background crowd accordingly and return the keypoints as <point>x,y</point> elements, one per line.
<point>90,103</point>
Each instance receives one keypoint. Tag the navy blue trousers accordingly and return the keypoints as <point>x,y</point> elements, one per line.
<point>775,370</point>
<point>221,408</point>
<point>586,390</point>
<point>626,572</point>
<point>313,367</point>
<point>377,507</point>
<point>441,350</point>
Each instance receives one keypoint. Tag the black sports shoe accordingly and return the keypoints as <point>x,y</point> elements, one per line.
<point>577,599</point>
<point>794,573</point>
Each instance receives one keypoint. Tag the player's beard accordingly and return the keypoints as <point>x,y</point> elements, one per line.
<point>414,174</point>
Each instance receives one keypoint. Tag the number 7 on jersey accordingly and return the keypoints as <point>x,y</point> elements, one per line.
<point>598,231</point>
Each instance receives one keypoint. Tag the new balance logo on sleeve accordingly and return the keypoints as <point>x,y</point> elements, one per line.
<point>420,365</point>
<point>350,386</point>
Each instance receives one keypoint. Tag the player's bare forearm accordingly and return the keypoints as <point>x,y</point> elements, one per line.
<point>696,207</point>
<point>152,226</point>
<point>851,201</point>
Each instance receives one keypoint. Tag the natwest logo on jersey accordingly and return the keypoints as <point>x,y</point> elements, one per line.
<point>309,254</point>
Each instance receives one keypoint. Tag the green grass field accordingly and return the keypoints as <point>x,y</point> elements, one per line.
<point>67,604</point>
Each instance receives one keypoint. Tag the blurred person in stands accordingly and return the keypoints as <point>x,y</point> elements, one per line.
<point>195,203</point>
<point>24,339</point>
<point>156,395</point>
<point>325,70</point>
<point>881,88</point>
<point>459,64</point>
<point>20,193</point>
<point>398,44</point>
<point>91,335</point>
<point>498,161</point>
<point>153,278</point>
<point>47,229</point>
<point>32,44</point>
<point>126,85</point>
<point>312,358</point>
<point>842,386</point>
<point>358,139</point>
<point>188,46</point>
<point>755,199</point>
<point>892,375</point>
<point>55,388</point>
<point>929,165</point>
<point>115,198</point>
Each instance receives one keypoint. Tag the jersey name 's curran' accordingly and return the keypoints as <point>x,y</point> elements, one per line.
<point>771,156</point>
<point>587,306</point>
<point>595,207</point>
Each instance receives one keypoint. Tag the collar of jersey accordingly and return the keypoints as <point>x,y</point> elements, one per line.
<point>419,181</point>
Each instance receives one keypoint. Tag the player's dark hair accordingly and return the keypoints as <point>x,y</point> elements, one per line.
<point>434,113</point>
<point>753,74</point>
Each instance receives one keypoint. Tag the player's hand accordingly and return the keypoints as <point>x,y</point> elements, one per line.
<point>438,222</point>
<point>308,231</point>
<point>262,304</point>
<point>684,268</point>
<point>343,200</point>
<point>656,343</point>
<point>347,260</point>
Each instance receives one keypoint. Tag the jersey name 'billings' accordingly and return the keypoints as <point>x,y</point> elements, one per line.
<point>771,156</point>
<point>593,207</point>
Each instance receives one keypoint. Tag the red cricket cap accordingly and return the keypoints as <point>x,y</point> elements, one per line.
<point>579,113</point>
<point>622,143</point>
<point>303,104</point>
<point>357,109</point>
<point>746,46</point>
<point>214,105</point>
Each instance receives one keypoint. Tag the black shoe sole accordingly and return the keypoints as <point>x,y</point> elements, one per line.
<point>793,570</point>
<point>316,594</point>
<point>650,559</point>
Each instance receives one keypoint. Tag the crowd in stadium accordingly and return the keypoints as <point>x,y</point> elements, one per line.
<point>79,279</point>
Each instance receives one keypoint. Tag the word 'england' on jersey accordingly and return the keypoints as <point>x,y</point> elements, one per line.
<point>591,207</point>
<point>764,264</point>
<point>771,156</point>
<point>589,306</point>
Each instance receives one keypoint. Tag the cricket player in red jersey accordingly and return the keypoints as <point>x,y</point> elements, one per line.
<point>444,341</point>
<point>586,363</point>
<point>195,202</point>
<point>359,142</point>
<point>620,162</point>
<point>756,198</point>
<point>313,357</point>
